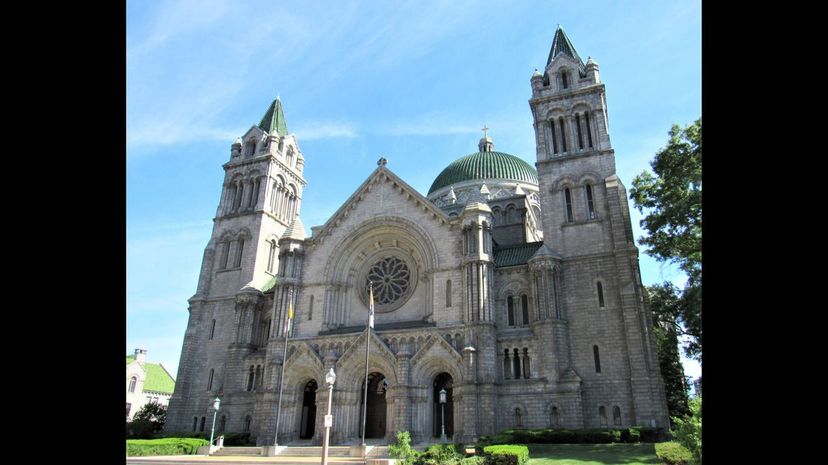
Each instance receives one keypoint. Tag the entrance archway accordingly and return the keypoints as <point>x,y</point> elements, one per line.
<point>443,381</point>
<point>375,414</point>
<point>308,421</point>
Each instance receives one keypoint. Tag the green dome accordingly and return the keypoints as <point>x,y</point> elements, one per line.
<point>485,165</point>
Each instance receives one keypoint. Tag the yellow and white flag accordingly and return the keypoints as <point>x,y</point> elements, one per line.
<point>289,318</point>
<point>371,305</point>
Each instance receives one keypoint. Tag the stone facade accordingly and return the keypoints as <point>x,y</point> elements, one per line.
<point>523,301</point>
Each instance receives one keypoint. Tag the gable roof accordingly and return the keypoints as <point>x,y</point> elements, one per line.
<point>274,119</point>
<point>514,255</point>
<point>380,174</point>
<point>158,378</point>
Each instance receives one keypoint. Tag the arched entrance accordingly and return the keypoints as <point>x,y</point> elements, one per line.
<point>443,381</point>
<point>375,414</point>
<point>308,422</point>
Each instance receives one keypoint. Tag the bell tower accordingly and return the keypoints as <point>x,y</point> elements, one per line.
<point>586,224</point>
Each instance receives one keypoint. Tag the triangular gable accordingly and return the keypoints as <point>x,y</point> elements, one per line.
<point>255,128</point>
<point>379,175</point>
<point>357,348</point>
<point>431,345</point>
<point>302,354</point>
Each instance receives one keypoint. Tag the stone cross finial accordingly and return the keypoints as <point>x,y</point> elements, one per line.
<point>382,161</point>
<point>485,129</point>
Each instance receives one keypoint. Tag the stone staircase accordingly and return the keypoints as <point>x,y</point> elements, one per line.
<point>239,451</point>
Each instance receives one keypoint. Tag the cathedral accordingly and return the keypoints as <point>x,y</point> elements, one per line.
<point>514,288</point>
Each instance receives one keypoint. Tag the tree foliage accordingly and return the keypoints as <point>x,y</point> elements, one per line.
<point>154,413</point>
<point>689,430</point>
<point>671,196</point>
<point>664,301</point>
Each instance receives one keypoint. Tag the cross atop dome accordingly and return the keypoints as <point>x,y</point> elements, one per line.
<point>486,143</point>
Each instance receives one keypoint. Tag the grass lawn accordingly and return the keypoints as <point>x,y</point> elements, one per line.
<point>592,454</point>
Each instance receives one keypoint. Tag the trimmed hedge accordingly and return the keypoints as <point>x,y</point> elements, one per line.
<point>166,446</point>
<point>507,454</point>
<point>673,453</point>
<point>575,436</point>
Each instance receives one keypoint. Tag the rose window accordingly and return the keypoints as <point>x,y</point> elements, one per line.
<point>391,279</point>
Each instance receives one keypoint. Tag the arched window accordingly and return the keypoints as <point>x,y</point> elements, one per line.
<point>516,363</point>
<point>310,309</point>
<point>563,133</point>
<point>201,426</point>
<point>237,197</point>
<point>250,148</point>
<point>602,415</point>
<point>510,311</point>
<point>555,417</point>
<point>518,417</point>
<point>132,382</point>
<point>210,380</point>
<point>600,288</point>
<point>195,424</point>
<point>271,256</point>
<point>448,293</point>
<point>213,329</point>
<point>568,200</point>
<point>231,197</point>
<point>590,202</point>
<point>524,304</point>
<point>239,252</point>
<point>225,253</point>
<point>246,425</point>
<point>588,129</point>
<point>597,359</point>
<point>580,134</point>
<point>526,371</point>
<point>554,137</point>
<point>258,377</point>
<point>507,367</point>
<point>254,196</point>
<point>250,376</point>
<point>564,80</point>
<point>616,415</point>
<point>289,156</point>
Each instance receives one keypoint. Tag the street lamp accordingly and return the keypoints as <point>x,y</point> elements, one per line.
<point>330,378</point>
<point>216,405</point>
<point>443,410</point>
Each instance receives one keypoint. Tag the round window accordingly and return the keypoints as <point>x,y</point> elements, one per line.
<point>392,283</point>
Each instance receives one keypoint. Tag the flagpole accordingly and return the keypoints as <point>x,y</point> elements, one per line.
<point>367,348</point>
<point>284,359</point>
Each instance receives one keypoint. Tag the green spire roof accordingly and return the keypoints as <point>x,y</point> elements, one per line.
<point>158,379</point>
<point>561,44</point>
<point>274,119</point>
<point>485,165</point>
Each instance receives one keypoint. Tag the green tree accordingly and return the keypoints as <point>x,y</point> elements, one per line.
<point>664,300</point>
<point>689,430</point>
<point>154,413</point>
<point>672,199</point>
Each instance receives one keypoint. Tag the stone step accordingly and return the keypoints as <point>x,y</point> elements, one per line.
<point>314,451</point>
<point>245,451</point>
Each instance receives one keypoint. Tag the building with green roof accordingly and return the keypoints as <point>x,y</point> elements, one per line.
<point>146,382</point>
<point>512,285</point>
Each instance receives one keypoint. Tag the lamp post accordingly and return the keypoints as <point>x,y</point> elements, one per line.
<point>330,378</point>
<point>216,405</point>
<point>443,411</point>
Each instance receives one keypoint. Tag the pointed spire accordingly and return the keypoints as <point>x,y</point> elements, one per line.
<point>561,44</point>
<point>295,231</point>
<point>274,119</point>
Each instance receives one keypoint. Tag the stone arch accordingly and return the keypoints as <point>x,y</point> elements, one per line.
<point>350,367</point>
<point>364,237</point>
<point>517,415</point>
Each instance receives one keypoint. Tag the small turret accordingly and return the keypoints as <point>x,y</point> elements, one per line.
<point>592,71</point>
<point>235,149</point>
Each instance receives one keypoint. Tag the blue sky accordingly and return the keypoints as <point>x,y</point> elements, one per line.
<point>413,81</point>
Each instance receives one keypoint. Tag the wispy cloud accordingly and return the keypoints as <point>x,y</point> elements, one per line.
<point>325,130</point>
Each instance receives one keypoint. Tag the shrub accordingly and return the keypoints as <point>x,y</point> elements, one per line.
<point>441,454</point>
<point>140,429</point>
<point>631,435</point>
<point>507,454</point>
<point>689,431</point>
<point>475,460</point>
<point>237,439</point>
<point>673,453</point>
<point>166,446</point>
<point>401,448</point>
